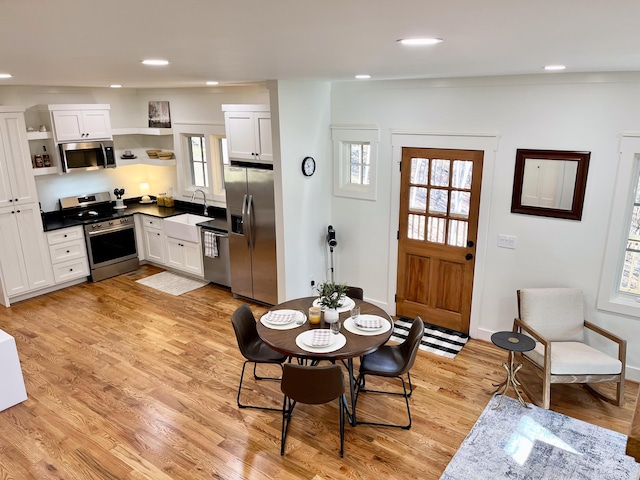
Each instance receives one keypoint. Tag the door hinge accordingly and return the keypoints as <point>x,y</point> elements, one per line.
<point>398,235</point>
<point>400,166</point>
<point>395,298</point>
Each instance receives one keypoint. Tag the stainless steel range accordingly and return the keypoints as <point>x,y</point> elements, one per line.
<point>109,234</point>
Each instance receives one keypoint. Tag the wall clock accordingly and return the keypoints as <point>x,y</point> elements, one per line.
<point>308,166</point>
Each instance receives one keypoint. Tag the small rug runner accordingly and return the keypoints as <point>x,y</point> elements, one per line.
<point>514,442</point>
<point>171,283</point>
<point>438,340</point>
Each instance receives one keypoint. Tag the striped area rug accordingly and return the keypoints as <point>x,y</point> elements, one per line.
<point>439,340</point>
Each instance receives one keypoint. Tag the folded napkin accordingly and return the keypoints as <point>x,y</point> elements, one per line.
<point>279,318</point>
<point>321,338</point>
<point>371,323</point>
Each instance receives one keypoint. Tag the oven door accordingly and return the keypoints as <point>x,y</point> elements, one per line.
<point>110,246</point>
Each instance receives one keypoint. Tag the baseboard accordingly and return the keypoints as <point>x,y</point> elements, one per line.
<point>631,372</point>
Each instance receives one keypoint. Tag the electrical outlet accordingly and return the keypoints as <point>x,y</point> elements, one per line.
<point>312,282</point>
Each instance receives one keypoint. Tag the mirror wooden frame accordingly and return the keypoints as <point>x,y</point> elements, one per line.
<point>575,213</point>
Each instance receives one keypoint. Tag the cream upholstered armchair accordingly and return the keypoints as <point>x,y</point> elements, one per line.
<point>554,317</point>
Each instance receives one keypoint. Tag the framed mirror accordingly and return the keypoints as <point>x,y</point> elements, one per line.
<point>550,183</point>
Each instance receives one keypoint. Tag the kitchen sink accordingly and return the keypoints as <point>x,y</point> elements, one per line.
<point>183,227</point>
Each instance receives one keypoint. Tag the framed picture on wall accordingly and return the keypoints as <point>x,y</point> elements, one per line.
<point>159,115</point>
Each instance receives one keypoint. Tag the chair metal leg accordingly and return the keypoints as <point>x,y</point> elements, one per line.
<point>360,384</point>
<point>341,410</point>
<point>241,405</point>
<point>287,410</point>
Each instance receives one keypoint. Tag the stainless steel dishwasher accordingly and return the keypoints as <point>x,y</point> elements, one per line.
<point>216,269</point>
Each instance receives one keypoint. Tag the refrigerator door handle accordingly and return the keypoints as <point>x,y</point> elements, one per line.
<point>250,220</point>
<point>245,223</point>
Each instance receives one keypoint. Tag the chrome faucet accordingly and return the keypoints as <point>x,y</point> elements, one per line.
<point>204,198</point>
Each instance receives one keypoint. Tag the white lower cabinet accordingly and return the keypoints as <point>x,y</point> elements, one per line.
<point>24,257</point>
<point>185,256</point>
<point>68,254</point>
<point>153,241</point>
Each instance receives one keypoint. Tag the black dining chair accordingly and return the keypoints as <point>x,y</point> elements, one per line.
<point>313,386</point>
<point>356,293</point>
<point>253,349</point>
<point>392,361</point>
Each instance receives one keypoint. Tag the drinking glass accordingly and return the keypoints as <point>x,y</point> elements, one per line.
<point>355,313</point>
<point>315,315</point>
<point>300,317</point>
<point>335,327</point>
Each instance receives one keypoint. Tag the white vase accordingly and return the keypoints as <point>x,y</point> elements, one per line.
<point>331,315</point>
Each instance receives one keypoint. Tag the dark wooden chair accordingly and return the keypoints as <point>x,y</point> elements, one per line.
<point>392,361</point>
<point>356,293</point>
<point>313,386</point>
<point>253,349</point>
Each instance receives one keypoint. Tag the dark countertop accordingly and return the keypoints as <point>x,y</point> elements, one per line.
<point>218,222</point>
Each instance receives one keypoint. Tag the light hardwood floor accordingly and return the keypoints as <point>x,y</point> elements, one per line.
<point>126,382</point>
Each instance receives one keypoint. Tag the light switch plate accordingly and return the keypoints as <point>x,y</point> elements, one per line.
<point>506,241</point>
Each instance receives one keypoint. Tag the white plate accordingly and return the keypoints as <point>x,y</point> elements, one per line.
<point>286,326</point>
<point>350,326</point>
<point>304,339</point>
<point>347,304</point>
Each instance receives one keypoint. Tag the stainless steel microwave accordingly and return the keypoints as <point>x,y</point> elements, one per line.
<point>87,156</point>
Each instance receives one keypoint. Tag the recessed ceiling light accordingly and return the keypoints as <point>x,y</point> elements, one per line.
<point>156,62</point>
<point>363,77</point>
<point>5,75</point>
<point>212,83</point>
<point>115,85</point>
<point>554,67</point>
<point>420,41</point>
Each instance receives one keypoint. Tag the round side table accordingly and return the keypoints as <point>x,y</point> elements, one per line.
<point>512,342</point>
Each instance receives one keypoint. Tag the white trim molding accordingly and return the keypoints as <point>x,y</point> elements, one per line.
<point>486,142</point>
<point>341,136</point>
<point>609,297</point>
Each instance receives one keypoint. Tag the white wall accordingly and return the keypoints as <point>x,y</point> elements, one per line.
<point>559,112</point>
<point>300,114</point>
<point>129,108</point>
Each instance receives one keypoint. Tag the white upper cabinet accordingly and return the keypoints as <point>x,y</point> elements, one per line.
<point>80,122</point>
<point>248,130</point>
<point>17,185</point>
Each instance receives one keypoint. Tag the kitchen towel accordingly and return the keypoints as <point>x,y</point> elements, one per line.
<point>210,244</point>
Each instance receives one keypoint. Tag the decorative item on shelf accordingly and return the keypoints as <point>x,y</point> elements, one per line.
<point>159,114</point>
<point>331,296</point>
<point>160,199</point>
<point>127,155</point>
<point>46,158</point>
<point>144,191</point>
<point>119,192</point>
<point>37,161</point>
<point>43,128</point>
<point>165,155</point>
<point>153,153</point>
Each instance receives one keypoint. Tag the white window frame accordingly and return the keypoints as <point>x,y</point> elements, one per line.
<point>215,192</point>
<point>342,136</point>
<point>609,296</point>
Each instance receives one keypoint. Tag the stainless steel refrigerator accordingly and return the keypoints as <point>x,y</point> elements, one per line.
<point>252,232</point>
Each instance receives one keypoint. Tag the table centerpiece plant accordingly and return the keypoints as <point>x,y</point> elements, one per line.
<point>331,297</point>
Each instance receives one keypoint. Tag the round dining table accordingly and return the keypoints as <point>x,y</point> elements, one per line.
<point>356,345</point>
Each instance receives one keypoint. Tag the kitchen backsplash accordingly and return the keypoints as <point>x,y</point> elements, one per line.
<point>53,187</point>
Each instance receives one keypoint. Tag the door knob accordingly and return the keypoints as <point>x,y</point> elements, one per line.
<point>470,243</point>
<point>468,256</point>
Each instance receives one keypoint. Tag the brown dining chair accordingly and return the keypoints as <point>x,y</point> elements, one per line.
<point>356,293</point>
<point>313,386</point>
<point>392,361</point>
<point>253,349</point>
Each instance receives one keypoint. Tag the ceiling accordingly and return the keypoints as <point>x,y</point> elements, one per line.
<point>101,42</point>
